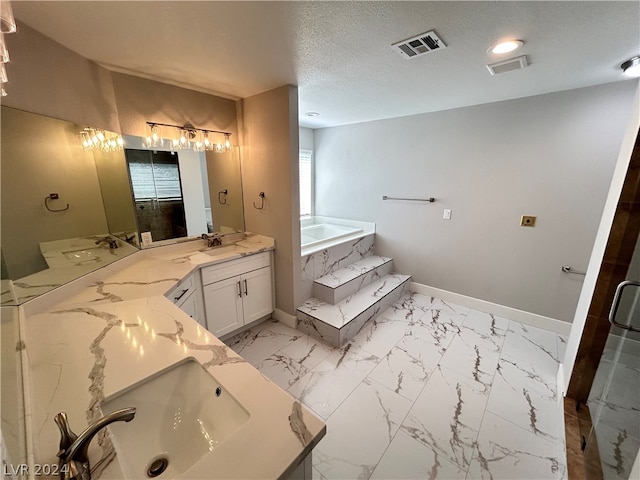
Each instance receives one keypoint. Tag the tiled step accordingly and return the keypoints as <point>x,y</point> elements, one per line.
<point>337,286</point>
<point>339,323</point>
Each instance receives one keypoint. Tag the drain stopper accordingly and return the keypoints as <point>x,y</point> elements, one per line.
<point>158,466</point>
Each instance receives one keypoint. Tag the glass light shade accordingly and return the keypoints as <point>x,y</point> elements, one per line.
<point>4,53</point>
<point>7,21</point>
<point>3,74</point>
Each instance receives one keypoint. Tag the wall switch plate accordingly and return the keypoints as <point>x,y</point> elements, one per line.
<point>146,238</point>
<point>447,214</point>
<point>527,221</point>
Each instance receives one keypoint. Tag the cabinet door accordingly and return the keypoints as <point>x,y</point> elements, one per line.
<point>258,299</point>
<point>223,306</point>
<point>192,307</point>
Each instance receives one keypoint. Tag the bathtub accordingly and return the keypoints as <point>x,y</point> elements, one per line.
<point>319,233</point>
<point>324,232</point>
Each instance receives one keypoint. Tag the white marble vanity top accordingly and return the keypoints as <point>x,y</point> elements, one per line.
<point>115,331</point>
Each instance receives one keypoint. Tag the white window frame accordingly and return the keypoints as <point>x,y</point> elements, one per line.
<point>305,154</point>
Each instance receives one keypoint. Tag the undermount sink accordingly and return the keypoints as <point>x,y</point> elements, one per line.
<point>215,251</point>
<point>182,415</point>
<point>84,255</point>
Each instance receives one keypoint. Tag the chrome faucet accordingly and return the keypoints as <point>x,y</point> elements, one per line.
<point>73,454</point>
<point>212,240</point>
<point>111,241</point>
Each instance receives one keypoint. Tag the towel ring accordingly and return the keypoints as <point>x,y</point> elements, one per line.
<point>220,193</point>
<point>54,196</point>
<point>261,195</point>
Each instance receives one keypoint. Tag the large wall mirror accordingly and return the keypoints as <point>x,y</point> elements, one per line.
<point>67,211</point>
<point>64,211</point>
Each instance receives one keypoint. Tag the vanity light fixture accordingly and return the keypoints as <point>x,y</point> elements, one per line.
<point>96,139</point>
<point>631,68</point>
<point>7,25</point>
<point>7,20</point>
<point>188,137</point>
<point>506,47</point>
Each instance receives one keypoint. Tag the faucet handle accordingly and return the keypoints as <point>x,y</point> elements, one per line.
<point>67,437</point>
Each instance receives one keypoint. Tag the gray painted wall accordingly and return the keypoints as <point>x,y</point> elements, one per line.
<point>551,156</point>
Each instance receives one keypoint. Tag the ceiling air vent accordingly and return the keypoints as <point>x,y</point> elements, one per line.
<point>419,45</point>
<point>508,65</point>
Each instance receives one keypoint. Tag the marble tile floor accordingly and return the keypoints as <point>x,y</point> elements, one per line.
<point>427,390</point>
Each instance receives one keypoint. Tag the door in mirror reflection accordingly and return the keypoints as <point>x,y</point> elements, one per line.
<point>157,193</point>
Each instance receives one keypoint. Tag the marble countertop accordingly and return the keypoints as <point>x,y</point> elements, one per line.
<point>63,268</point>
<point>116,331</point>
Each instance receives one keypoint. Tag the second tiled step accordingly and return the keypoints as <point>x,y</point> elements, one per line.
<point>337,324</point>
<point>336,286</point>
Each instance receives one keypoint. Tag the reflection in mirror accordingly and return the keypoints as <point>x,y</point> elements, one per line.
<point>12,427</point>
<point>44,169</point>
<point>177,194</point>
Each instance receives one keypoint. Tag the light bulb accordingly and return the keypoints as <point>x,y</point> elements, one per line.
<point>506,47</point>
<point>631,68</point>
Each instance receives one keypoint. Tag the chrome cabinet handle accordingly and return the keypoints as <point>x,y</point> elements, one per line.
<point>246,292</point>
<point>616,303</point>
<point>239,289</point>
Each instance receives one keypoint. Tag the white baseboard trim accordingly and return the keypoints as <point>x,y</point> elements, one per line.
<point>284,317</point>
<point>532,319</point>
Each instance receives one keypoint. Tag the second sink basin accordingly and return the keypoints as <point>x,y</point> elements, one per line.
<point>215,251</point>
<point>182,415</point>
<point>84,255</point>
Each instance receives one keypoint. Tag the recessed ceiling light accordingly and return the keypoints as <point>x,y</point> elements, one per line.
<point>312,114</point>
<point>631,68</point>
<point>506,47</point>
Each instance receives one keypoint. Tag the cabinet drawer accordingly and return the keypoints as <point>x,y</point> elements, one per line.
<point>222,271</point>
<point>182,291</point>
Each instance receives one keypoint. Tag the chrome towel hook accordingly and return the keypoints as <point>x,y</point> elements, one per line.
<point>220,193</point>
<point>261,195</point>
<point>54,196</point>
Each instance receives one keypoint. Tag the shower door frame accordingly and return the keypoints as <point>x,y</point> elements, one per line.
<point>613,270</point>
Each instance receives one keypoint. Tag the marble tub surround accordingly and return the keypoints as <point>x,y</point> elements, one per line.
<point>152,271</point>
<point>329,260</point>
<point>80,355</point>
<point>428,389</point>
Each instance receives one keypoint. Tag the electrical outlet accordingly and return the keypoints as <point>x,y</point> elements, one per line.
<point>447,214</point>
<point>527,221</point>
<point>146,238</point>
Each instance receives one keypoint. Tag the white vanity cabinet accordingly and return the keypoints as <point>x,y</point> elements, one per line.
<point>188,296</point>
<point>237,293</point>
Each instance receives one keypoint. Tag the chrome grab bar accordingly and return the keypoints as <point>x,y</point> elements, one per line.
<point>616,303</point>
<point>430,199</point>
<point>568,269</point>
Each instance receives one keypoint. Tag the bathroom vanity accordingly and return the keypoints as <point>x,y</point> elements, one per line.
<point>139,333</point>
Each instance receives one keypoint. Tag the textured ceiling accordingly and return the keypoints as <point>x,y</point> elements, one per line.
<point>339,54</point>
